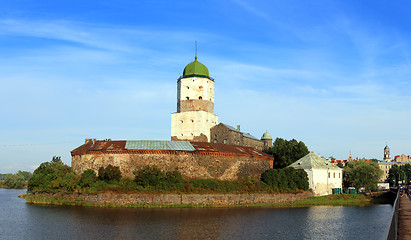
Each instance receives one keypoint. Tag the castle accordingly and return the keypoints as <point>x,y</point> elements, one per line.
<point>195,119</point>
<point>199,146</point>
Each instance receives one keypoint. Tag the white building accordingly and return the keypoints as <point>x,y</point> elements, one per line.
<point>195,105</point>
<point>322,175</point>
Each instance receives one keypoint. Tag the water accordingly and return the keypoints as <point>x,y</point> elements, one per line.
<point>26,221</point>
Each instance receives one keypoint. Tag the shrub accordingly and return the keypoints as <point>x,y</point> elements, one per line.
<point>285,179</point>
<point>109,174</point>
<point>127,185</point>
<point>152,177</point>
<point>88,178</point>
<point>98,186</point>
<point>53,176</point>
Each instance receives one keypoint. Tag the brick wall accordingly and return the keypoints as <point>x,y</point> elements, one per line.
<point>195,105</point>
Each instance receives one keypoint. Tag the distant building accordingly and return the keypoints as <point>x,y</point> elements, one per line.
<point>387,156</point>
<point>322,175</point>
<point>387,163</point>
<point>385,168</point>
<point>402,158</point>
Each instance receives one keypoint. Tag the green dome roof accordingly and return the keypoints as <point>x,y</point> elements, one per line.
<point>195,69</point>
<point>386,147</point>
<point>266,136</point>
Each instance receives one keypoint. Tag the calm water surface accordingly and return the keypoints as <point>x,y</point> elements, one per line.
<point>19,220</point>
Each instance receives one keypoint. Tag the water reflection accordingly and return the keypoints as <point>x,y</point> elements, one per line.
<point>47,222</point>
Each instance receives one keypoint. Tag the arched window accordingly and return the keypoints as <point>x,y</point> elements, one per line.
<point>200,97</point>
<point>187,98</point>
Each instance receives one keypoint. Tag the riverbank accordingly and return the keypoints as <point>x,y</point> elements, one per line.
<point>205,200</point>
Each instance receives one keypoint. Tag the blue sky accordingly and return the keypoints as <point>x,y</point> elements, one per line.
<point>333,74</point>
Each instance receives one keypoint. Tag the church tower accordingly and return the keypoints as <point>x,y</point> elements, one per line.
<point>195,105</point>
<point>387,154</point>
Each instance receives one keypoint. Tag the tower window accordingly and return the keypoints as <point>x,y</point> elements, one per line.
<point>188,87</point>
<point>192,120</point>
<point>200,87</point>
<point>181,121</point>
<point>187,98</point>
<point>200,97</point>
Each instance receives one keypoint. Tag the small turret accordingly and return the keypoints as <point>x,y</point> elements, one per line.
<point>268,141</point>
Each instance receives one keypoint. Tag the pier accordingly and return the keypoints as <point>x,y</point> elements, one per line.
<point>404,218</point>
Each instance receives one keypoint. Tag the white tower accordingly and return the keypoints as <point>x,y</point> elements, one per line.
<point>195,105</point>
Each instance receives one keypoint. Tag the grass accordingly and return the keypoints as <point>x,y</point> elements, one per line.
<point>329,200</point>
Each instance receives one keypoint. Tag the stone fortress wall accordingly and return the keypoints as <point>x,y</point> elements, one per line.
<point>210,161</point>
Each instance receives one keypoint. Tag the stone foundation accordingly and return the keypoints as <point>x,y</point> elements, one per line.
<point>182,199</point>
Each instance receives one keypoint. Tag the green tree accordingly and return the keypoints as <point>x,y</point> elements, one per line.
<point>14,180</point>
<point>406,169</point>
<point>361,174</point>
<point>2,176</point>
<point>286,152</point>
<point>340,165</point>
<point>395,174</point>
<point>25,174</point>
<point>53,176</point>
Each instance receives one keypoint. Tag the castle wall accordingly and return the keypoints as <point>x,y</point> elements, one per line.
<point>223,167</point>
